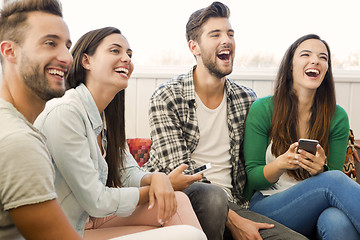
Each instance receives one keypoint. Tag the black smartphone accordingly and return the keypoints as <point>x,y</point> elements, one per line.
<point>308,145</point>
<point>199,169</point>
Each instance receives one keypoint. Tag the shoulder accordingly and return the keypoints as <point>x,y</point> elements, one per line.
<point>339,120</point>
<point>173,87</point>
<point>66,107</point>
<point>263,104</point>
<point>241,91</point>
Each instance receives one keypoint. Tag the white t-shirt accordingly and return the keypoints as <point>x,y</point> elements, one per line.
<point>285,181</point>
<point>214,143</point>
<point>26,171</point>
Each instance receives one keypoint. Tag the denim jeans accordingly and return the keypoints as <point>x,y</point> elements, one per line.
<point>327,203</point>
<point>211,207</point>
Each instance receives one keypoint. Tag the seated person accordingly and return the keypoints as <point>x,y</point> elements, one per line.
<point>85,131</point>
<point>294,186</point>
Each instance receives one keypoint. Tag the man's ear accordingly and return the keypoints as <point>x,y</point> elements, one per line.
<point>8,50</point>
<point>194,48</point>
<point>85,61</point>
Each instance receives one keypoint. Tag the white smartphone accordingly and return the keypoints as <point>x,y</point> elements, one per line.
<point>308,145</point>
<point>199,170</point>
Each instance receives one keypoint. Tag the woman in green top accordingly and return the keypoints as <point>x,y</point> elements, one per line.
<point>293,186</point>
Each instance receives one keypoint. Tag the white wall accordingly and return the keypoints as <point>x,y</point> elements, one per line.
<point>144,81</point>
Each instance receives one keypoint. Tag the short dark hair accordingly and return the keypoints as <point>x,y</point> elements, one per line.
<point>198,18</point>
<point>13,17</point>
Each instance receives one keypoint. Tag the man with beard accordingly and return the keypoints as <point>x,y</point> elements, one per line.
<point>198,118</point>
<point>35,59</point>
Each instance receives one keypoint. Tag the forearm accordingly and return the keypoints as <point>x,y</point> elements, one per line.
<point>273,171</point>
<point>143,195</point>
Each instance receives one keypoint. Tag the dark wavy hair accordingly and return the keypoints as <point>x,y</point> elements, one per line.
<point>285,115</point>
<point>199,17</point>
<point>114,112</point>
<point>13,17</point>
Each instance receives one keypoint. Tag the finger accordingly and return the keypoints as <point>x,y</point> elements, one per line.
<point>180,168</point>
<point>161,210</point>
<point>265,225</point>
<point>293,147</point>
<point>151,199</point>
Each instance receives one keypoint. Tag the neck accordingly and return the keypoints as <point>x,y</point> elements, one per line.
<point>209,88</point>
<point>27,103</point>
<point>102,96</point>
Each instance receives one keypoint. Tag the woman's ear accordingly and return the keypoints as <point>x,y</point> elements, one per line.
<point>85,61</point>
<point>8,50</point>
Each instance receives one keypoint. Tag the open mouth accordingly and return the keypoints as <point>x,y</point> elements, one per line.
<point>56,72</point>
<point>121,70</point>
<point>312,73</point>
<point>224,55</point>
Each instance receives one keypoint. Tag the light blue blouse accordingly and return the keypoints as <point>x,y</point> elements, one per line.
<point>71,125</point>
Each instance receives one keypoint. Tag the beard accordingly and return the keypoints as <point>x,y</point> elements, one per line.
<point>213,68</point>
<point>37,82</point>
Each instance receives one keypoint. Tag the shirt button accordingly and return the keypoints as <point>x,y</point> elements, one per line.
<point>197,137</point>
<point>194,104</point>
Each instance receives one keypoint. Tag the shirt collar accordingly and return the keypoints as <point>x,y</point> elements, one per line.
<point>90,107</point>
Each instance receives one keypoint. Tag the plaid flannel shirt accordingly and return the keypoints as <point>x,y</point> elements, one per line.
<point>175,132</point>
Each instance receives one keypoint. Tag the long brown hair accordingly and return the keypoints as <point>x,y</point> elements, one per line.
<point>114,112</point>
<point>285,115</point>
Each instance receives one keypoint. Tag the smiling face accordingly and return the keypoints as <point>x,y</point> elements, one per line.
<point>44,55</point>
<point>216,47</point>
<point>111,63</point>
<point>310,64</point>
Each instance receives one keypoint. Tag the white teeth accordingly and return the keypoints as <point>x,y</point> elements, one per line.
<point>56,72</point>
<point>224,52</point>
<point>312,71</point>
<point>122,70</point>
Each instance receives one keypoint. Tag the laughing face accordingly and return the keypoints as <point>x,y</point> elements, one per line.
<point>217,46</point>
<point>310,64</point>
<point>111,64</point>
<point>45,57</point>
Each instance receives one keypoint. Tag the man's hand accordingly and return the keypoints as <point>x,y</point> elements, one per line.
<point>244,229</point>
<point>179,180</point>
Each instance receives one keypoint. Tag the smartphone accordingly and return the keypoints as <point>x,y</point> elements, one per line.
<point>200,169</point>
<point>308,145</point>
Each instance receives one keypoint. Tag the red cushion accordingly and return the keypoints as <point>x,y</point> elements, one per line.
<point>140,149</point>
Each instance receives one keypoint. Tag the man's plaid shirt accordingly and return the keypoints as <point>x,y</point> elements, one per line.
<point>175,132</point>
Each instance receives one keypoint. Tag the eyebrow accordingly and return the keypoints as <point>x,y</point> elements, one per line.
<point>119,46</point>
<point>217,30</point>
<point>308,51</point>
<point>54,36</point>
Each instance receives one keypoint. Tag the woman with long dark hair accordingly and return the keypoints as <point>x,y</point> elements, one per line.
<point>85,130</point>
<point>293,186</point>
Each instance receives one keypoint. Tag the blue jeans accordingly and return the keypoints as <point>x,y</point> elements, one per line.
<point>327,203</point>
<point>212,207</point>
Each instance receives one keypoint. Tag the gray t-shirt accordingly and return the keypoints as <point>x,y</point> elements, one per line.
<point>26,171</point>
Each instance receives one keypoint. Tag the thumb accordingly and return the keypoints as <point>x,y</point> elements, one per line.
<point>181,168</point>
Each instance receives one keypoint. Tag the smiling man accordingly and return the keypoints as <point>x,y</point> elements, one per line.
<point>35,58</point>
<point>198,118</point>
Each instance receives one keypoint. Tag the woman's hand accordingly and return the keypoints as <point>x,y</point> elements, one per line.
<point>179,180</point>
<point>314,164</point>
<point>284,162</point>
<point>163,194</point>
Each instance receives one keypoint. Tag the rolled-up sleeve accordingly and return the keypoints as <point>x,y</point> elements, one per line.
<point>132,174</point>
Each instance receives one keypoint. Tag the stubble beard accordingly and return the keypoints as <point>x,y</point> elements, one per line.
<point>214,69</point>
<point>37,81</point>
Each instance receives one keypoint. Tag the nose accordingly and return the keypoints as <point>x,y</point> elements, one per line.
<point>65,57</point>
<point>125,58</point>
<point>315,60</point>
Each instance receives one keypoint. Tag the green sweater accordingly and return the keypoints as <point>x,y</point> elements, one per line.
<point>257,139</point>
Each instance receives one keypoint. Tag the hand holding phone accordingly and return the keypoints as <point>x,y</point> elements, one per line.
<point>308,145</point>
<point>200,169</point>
